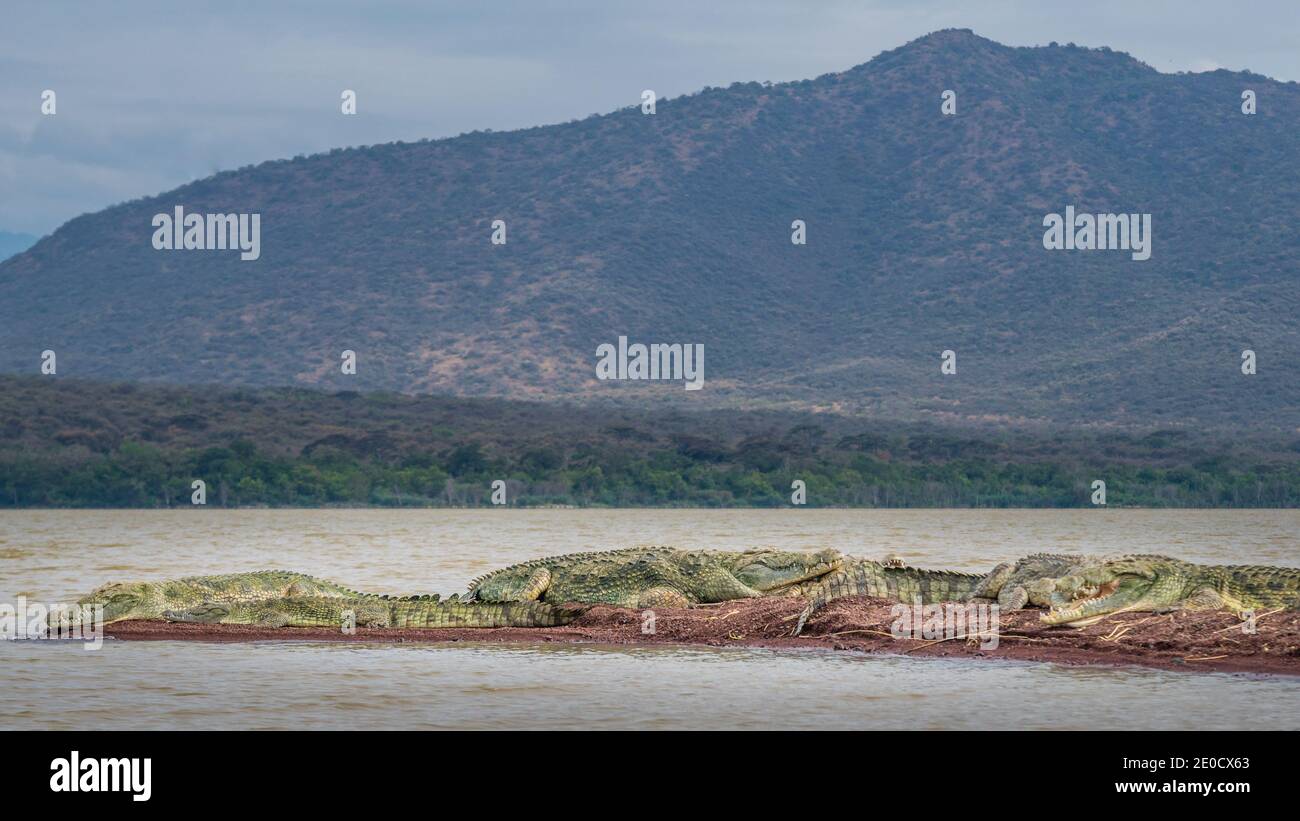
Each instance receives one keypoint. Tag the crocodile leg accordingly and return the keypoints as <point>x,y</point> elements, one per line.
<point>532,589</point>
<point>1014,598</point>
<point>537,585</point>
<point>661,597</point>
<point>991,585</point>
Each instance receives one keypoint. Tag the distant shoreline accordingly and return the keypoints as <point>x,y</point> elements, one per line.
<point>74,444</point>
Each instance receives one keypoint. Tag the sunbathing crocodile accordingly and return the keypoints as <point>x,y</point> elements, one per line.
<point>643,577</point>
<point>1160,584</point>
<point>148,600</point>
<point>376,611</point>
<point>1031,580</point>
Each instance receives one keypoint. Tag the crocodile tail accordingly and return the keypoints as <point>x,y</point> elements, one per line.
<point>900,584</point>
<point>857,579</point>
<point>541,614</point>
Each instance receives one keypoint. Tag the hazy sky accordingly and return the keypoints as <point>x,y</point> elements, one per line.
<point>154,94</point>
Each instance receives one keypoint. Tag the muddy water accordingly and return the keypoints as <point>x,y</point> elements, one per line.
<point>53,556</point>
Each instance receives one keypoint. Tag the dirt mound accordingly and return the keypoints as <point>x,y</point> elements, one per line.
<point>1201,641</point>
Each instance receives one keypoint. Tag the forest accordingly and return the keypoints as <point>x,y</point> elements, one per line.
<point>66,443</point>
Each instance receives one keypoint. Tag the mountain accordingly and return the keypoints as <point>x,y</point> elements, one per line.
<point>11,244</point>
<point>924,234</point>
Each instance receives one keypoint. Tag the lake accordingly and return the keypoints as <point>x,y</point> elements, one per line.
<point>58,555</point>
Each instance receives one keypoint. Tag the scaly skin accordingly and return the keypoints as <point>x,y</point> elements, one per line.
<point>376,611</point>
<point>655,576</point>
<point>863,577</point>
<point>1030,580</point>
<point>1161,584</point>
<point>148,600</point>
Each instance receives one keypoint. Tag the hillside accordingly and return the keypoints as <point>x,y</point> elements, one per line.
<point>924,234</point>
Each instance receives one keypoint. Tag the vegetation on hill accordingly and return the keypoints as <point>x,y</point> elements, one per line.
<point>67,443</point>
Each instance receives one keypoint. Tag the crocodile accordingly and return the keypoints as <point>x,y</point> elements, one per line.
<point>1162,584</point>
<point>644,577</point>
<point>1030,580</point>
<point>148,600</point>
<point>886,580</point>
<point>376,611</point>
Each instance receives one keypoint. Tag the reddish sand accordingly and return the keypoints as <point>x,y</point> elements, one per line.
<point>1206,641</point>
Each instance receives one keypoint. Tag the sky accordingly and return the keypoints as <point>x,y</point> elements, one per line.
<point>151,95</point>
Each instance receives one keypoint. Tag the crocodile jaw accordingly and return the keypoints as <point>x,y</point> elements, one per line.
<point>787,587</point>
<point>1091,604</point>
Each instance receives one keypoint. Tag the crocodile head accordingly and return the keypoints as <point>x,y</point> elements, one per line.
<point>1095,591</point>
<point>773,572</point>
<point>126,600</point>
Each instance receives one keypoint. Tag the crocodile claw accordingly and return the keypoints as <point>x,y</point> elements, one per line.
<point>803,619</point>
